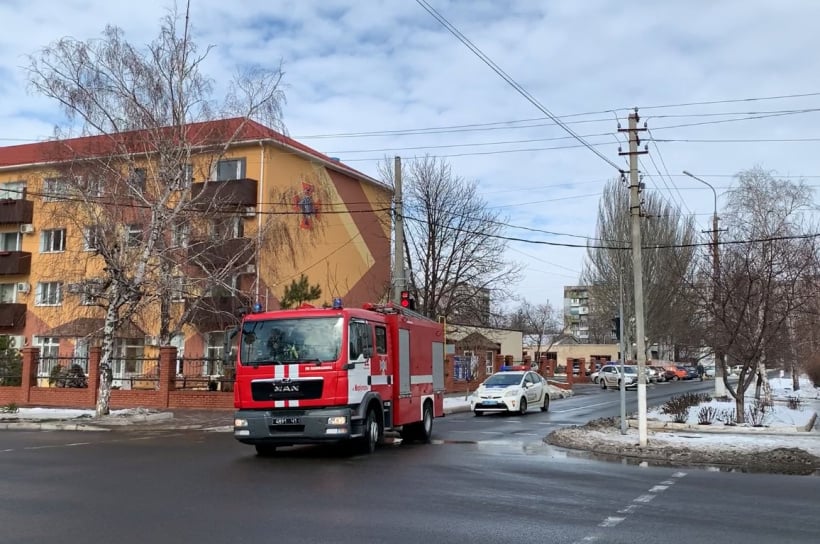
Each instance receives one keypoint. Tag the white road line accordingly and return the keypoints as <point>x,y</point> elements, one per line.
<point>492,432</point>
<point>679,475</point>
<point>629,509</point>
<point>668,482</point>
<point>658,488</point>
<point>644,498</point>
<point>79,444</point>
<point>611,521</point>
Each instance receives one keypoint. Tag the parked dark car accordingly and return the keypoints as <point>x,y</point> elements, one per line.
<point>691,373</point>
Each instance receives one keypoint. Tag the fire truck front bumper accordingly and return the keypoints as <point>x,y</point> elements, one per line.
<point>292,426</point>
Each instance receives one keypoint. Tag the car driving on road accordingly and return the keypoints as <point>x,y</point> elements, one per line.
<point>509,392</point>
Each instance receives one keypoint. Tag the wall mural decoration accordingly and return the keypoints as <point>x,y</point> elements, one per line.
<point>307,204</point>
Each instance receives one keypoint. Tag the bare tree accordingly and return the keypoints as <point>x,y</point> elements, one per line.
<point>764,276</point>
<point>453,243</point>
<point>541,323</point>
<point>668,258</point>
<point>132,185</point>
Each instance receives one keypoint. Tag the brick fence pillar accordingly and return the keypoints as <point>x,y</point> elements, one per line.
<point>498,363</point>
<point>94,357</point>
<point>31,358</point>
<point>167,373</point>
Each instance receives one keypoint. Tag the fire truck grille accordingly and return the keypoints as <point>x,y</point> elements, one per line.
<point>263,390</point>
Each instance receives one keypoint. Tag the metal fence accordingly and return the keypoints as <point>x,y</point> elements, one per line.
<point>135,373</point>
<point>46,365</point>
<point>204,373</point>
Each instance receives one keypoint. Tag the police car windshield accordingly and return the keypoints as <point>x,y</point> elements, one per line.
<point>280,341</point>
<point>503,380</point>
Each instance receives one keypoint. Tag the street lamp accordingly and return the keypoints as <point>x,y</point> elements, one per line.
<point>720,390</point>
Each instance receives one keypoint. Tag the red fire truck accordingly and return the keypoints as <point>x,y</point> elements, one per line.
<point>319,375</point>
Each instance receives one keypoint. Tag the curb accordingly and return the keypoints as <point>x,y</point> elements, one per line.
<point>49,426</point>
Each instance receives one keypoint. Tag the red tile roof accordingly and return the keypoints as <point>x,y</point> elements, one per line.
<point>206,133</point>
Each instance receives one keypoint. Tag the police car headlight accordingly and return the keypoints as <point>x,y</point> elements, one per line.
<point>512,393</point>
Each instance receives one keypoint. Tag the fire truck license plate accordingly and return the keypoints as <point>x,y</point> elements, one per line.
<point>285,420</point>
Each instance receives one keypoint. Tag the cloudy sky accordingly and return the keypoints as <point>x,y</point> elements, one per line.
<point>367,79</point>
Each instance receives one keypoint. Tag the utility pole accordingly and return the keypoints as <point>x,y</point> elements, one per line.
<point>720,386</point>
<point>399,281</point>
<point>622,342</point>
<point>635,187</point>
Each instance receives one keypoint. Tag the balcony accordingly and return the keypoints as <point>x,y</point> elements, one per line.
<point>13,211</point>
<point>210,255</point>
<point>12,315</point>
<point>15,263</point>
<point>234,193</point>
<point>218,313</point>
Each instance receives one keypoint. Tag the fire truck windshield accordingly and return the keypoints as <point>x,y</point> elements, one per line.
<point>280,341</point>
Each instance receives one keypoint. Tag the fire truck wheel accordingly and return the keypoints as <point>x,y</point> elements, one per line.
<point>265,450</point>
<point>421,431</point>
<point>372,432</point>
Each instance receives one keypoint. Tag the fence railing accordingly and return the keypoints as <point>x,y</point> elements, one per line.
<point>204,373</point>
<point>46,364</point>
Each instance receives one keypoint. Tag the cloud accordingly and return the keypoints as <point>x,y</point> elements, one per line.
<point>387,65</point>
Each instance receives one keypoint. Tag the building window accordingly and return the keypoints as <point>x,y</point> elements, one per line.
<point>92,238</point>
<point>177,289</point>
<point>214,350</point>
<point>49,351</point>
<point>52,241</point>
<point>49,293</point>
<point>227,226</point>
<point>8,293</point>
<point>55,189</point>
<point>179,235</point>
<point>10,241</point>
<point>230,169</point>
<point>15,190</point>
<point>133,235</point>
<point>136,180</point>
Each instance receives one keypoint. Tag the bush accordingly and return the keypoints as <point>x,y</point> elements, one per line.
<point>727,416</point>
<point>11,364</point>
<point>707,415</point>
<point>756,413</point>
<point>10,408</point>
<point>794,403</point>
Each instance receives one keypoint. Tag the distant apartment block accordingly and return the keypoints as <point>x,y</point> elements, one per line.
<point>576,312</point>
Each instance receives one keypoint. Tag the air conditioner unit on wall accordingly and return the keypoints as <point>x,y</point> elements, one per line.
<point>26,228</point>
<point>23,287</point>
<point>17,342</point>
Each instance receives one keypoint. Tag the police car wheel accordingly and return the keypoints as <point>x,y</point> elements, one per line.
<point>522,406</point>
<point>546,405</point>
<point>478,413</point>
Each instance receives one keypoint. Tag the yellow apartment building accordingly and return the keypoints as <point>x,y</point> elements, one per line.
<point>338,218</point>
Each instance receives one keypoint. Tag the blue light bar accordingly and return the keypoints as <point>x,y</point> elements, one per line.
<point>337,303</point>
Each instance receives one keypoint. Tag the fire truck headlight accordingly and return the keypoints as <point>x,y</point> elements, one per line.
<point>337,420</point>
<point>240,422</point>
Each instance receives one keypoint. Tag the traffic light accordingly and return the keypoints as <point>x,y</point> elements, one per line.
<point>616,328</point>
<point>407,300</point>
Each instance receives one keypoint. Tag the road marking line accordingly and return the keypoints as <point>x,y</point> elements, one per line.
<point>658,488</point>
<point>679,475</point>
<point>629,509</point>
<point>644,498</point>
<point>79,444</point>
<point>492,432</point>
<point>668,482</point>
<point>611,521</point>
<point>585,407</point>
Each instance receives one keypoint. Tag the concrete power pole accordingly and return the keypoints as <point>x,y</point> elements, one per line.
<point>399,281</point>
<point>637,267</point>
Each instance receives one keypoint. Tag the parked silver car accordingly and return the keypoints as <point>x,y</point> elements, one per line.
<point>610,376</point>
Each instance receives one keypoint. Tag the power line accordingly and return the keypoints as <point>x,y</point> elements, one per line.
<point>514,84</point>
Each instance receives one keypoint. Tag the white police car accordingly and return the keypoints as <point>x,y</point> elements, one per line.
<point>511,391</point>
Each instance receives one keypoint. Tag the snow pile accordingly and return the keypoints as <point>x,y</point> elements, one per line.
<point>68,413</point>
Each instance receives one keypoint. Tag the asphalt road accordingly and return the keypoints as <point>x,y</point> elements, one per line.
<point>484,480</point>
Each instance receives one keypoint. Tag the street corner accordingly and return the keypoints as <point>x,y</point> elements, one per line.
<point>776,454</point>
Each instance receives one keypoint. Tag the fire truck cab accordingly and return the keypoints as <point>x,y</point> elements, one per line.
<point>321,375</point>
